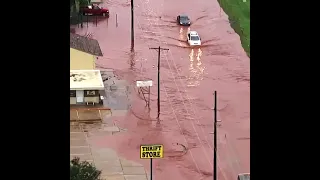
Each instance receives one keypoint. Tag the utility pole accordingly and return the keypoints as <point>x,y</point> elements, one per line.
<point>159,54</point>
<point>132,27</point>
<point>215,175</point>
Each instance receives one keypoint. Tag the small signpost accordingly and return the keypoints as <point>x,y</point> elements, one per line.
<point>116,20</point>
<point>144,88</point>
<point>153,151</point>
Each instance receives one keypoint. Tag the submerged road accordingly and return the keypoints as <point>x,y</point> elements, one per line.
<point>189,76</point>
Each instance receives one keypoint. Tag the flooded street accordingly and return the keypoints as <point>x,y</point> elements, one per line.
<point>189,76</point>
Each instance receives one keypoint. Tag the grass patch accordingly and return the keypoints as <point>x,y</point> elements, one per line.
<point>239,17</point>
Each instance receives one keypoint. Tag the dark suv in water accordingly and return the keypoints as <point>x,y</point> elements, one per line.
<point>183,20</point>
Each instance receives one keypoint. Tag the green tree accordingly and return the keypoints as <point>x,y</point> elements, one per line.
<point>84,2</point>
<point>83,170</point>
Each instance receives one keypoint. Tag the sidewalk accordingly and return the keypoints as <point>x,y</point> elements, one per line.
<point>113,167</point>
<point>116,91</point>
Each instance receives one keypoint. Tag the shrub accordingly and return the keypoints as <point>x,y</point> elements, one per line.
<point>83,2</point>
<point>83,170</point>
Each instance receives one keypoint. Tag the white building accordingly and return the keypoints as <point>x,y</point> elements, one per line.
<point>86,87</point>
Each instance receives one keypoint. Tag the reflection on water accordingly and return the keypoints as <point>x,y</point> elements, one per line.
<point>181,36</point>
<point>196,68</point>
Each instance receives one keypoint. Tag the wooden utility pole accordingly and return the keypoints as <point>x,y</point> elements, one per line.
<point>132,26</point>
<point>215,174</point>
<point>159,54</point>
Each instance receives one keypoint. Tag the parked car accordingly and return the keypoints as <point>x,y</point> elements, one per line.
<point>95,10</point>
<point>193,38</point>
<point>183,20</point>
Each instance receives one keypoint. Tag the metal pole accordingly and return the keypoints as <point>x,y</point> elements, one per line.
<point>116,20</point>
<point>215,175</point>
<point>149,98</point>
<point>132,26</point>
<point>159,81</point>
<point>81,17</point>
<point>151,169</point>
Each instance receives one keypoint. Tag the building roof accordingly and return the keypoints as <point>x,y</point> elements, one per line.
<point>85,44</point>
<point>86,80</point>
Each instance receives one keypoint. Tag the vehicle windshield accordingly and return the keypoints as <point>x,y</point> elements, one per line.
<point>195,38</point>
<point>184,18</point>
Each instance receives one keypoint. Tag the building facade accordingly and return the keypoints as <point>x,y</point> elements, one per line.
<point>83,52</point>
<point>80,60</point>
<point>86,87</point>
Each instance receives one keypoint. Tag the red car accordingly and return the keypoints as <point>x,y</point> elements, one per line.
<point>95,10</point>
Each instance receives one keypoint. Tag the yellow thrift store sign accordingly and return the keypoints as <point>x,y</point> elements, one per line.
<point>151,151</point>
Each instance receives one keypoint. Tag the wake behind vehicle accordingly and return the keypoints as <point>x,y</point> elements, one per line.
<point>94,10</point>
<point>183,20</point>
<point>193,38</point>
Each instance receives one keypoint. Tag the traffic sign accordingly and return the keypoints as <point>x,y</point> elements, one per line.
<point>144,83</point>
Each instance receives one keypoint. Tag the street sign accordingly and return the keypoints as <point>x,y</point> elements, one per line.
<point>144,83</point>
<point>151,151</point>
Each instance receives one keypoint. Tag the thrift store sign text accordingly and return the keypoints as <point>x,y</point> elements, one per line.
<point>151,151</point>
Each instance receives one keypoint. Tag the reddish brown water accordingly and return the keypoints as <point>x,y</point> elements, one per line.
<point>189,76</point>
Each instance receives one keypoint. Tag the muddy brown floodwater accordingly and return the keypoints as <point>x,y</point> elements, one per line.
<point>189,76</point>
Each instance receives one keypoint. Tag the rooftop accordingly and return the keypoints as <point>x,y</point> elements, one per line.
<point>85,44</point>
<point>86,80</point>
